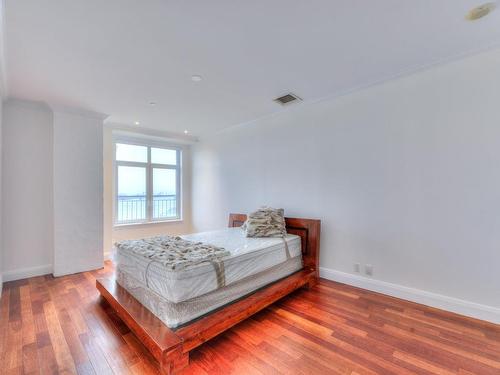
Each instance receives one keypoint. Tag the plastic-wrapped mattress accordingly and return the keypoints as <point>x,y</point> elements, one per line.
<point>248,256</point>
<point>176,314</point>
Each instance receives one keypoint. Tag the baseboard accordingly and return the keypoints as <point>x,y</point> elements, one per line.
<point>23,273</point>
<point>109,255</point>
<point>68,270</point>
<point>471,309</point>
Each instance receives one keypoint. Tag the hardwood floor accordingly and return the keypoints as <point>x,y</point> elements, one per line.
<point>59,325</point>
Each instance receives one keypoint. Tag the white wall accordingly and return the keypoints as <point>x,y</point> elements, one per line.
<point>27,217</point>
<point>113,234</point>
<point>52,190</point>
<point>78,192</point>
<point>404,176</point>
<point>3,89</point>
<point>53,173</point>
<point>107,156</point>
<point>1,236</point>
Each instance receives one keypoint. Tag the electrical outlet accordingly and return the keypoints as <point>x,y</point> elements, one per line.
<point>369,269</point>
<point>357,267</point>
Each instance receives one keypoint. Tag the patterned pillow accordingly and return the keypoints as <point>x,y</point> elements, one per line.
<point>265,222</point>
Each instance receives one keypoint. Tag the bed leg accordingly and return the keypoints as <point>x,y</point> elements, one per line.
<point>173,362</point>
<point>312,282</point>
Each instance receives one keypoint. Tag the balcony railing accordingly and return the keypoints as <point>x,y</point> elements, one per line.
<point>164,206</point>
<point>133,208</point>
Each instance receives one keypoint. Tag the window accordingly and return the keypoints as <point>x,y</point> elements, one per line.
<point>147,183</point>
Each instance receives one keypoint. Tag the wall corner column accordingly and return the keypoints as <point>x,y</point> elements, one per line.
<point>77,191</point>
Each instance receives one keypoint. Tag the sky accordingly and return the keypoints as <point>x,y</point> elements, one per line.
<point>132,179</point>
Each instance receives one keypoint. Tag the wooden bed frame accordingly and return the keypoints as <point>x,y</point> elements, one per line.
<point>171,347</point>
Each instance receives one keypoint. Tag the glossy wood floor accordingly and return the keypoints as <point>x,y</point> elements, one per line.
<point>51,326</point>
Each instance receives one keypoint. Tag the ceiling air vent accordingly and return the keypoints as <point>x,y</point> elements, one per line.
<point>287,99</point>
<point>480,11</point>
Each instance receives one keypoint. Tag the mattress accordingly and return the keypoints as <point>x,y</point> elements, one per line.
<point>248,256</point>
<point>177,314</point>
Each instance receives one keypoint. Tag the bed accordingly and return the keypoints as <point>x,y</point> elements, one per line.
<point>174,312</point>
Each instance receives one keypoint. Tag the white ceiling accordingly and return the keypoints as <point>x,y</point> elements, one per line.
<point>115,56</point>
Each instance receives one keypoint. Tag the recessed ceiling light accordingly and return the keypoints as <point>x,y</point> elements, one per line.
<point>137,123</point>
<point>152,104</point>
<point>480,11</point>
<point>196,78</point>
<point>186,131</point>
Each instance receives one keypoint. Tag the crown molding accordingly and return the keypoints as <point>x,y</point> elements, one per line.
<point>30,104</point>
<point>57,108</point>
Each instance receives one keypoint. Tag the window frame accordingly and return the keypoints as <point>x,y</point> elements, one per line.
<point>149,166</point>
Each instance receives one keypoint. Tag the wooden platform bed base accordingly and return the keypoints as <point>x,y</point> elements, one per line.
<point>171,348</point>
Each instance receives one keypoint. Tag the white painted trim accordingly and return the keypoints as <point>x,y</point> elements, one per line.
<point>403,73</point>
<point>80,268</point>
<point>137,139</point>
<point>29,104</point>
<point>24,273</point>
<point>467,308</point>
<point>4,87</point>
<point>128,226</point>
<point>151,134</point>
<point>149,166</point>
<point>56,108</point>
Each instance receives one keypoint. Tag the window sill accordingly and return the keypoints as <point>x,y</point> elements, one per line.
<point>149,223</point>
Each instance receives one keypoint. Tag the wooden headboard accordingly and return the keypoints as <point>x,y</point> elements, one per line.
<point>309,231</point>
